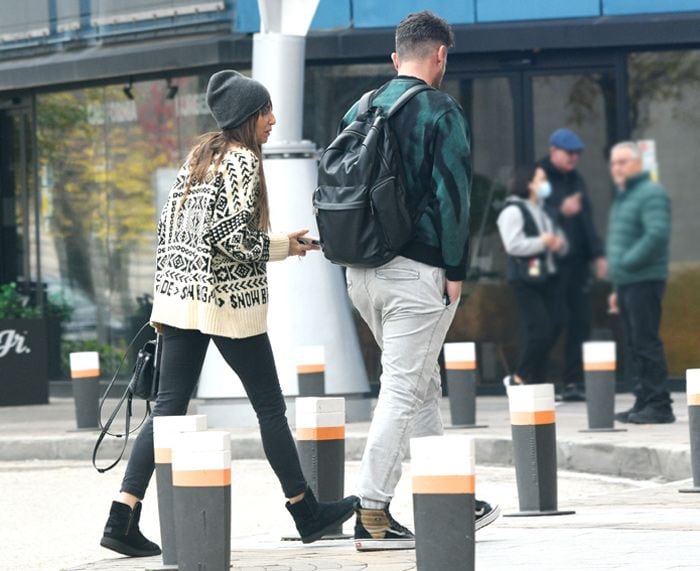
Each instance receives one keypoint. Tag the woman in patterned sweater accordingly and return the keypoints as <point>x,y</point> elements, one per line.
<point>211,284</point>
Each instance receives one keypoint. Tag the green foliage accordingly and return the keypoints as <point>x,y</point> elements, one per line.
<point>14,305</point>
<point>59,308</point>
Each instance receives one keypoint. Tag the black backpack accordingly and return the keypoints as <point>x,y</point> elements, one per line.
<point>360,203</point>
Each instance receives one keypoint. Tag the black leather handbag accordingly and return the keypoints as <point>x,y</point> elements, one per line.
<point>144,379</point>
<point>143,385</point>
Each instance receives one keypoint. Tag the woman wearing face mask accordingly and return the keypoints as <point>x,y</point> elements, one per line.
<point>533,242</point>
<point>211,285</point>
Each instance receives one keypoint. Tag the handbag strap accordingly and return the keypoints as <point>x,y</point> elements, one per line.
<point>105,431</point>
<point>111,383</point>
<point>128,397</point>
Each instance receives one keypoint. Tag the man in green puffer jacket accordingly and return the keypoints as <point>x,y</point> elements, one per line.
<point>638,244</point>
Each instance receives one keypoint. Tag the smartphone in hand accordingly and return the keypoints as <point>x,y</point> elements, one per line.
<point>309,241</point>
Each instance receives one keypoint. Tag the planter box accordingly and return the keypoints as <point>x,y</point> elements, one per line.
<point>23,362</point>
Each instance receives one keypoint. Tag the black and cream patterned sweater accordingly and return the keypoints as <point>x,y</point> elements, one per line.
<point>211,258</point>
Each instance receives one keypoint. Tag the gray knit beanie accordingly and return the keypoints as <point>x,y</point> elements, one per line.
<point>233,97</point>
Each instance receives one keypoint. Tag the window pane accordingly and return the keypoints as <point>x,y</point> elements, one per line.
<point>107,162</point>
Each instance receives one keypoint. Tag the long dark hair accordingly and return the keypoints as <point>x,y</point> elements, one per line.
<point>210,150</point>
<point>521,179</point>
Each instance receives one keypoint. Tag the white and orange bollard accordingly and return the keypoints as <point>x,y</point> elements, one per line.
<point>166,432</point>
<point>692,379</point>
<point>599,364</point>
<point>442,473</point>
<point>320,436</point>
<point>85,374</point>
<point>460,368</point>
<point>311,370</point>
<point>533,427</point>
<point>202,500</point>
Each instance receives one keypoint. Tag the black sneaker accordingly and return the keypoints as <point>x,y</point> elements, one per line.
<point>624,416</point>
<point>572,393</point>
<point>652,415</point>
<point>484,514</point>
<point>376,530</point>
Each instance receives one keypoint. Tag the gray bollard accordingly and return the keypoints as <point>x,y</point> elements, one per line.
<point>533,427</point>
<point>166,432</point>
<point>460,366</point>
<point>311,369</point>
<point>692,379</point>
<point>320,435</point>
<point>202,500</point>
<point>442,472</point>
<point>599,363</point>
<point>85,374</point>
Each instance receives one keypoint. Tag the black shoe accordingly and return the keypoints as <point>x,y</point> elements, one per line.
<point>376,530</point>
<point>122,533</point>
<point>314,519</point>
<point>572,393</point>
<point>624,416</point>
<point>652,415</point>
<point>484,514</point>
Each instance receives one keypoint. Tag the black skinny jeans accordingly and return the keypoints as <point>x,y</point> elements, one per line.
<point>540,308</point>
<point>640,310</point>
<point>252,360</point>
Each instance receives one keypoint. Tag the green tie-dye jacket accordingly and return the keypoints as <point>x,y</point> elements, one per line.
<point>433,138</point>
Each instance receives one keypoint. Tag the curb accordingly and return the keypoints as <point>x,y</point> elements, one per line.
<point>670,463</point>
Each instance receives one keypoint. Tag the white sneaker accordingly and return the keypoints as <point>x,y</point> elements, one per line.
<point>484,514</point>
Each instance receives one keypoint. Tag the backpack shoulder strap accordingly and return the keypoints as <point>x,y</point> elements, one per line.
<point>406,97</point>
<point>365,102</point>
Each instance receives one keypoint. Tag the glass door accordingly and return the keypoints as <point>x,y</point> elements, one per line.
<point>487,315</point>
<point>511,114</point>
<point>19,205</point>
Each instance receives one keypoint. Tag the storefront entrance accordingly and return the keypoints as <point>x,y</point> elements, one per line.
<point>19,202</point>
<point>512,107</point>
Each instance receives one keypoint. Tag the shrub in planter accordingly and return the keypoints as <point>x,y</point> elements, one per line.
<point>23,350</point>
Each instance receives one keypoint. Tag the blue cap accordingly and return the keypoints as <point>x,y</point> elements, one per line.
<point>566,139</point>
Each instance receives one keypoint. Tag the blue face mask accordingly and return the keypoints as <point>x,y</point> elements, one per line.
<point>544,190</point>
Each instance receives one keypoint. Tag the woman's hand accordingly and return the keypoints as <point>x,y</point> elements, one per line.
<point>558,245</point>
<point>296,248</point>
<point>549,240</point>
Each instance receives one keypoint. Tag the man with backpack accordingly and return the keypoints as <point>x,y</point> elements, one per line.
<point>407,296</point>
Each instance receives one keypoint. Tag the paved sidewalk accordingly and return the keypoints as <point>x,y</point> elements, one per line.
<point>619,524</point>
<point>641,523</point>
<point>45,432</point>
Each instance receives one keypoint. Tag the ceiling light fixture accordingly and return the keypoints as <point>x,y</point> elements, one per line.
<point>127,89</point>
<point>172,89</point>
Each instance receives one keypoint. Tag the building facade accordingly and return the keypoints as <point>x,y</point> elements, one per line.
<point>100,101</point>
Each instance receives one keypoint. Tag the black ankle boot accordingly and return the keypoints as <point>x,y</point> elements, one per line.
<point>122,532</point>
<point>313,518</point>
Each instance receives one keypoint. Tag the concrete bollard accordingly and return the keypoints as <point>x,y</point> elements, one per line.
<point>320,435</point>
<point>311,368</point>
<point>533,427</point>
<point>202,500</point>
<point>166,432</point>
<point>692,379</point>
<point>85,373</point>
<point>599,363</point>
<point>442,471</point>
<point>460,366</point>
